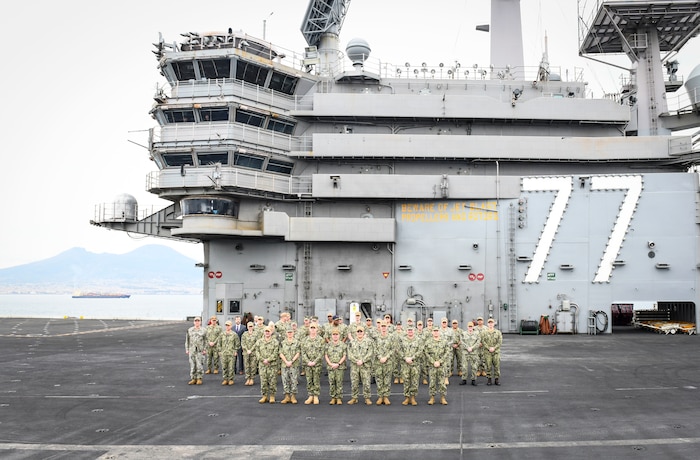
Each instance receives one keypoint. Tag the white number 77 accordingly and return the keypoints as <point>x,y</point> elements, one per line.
<point>563,187</point>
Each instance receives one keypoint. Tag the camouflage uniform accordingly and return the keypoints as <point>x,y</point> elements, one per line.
<point>195,347</point>
<point>437,350</point>
<point>456,350</point>
<point>482,359</point>
<point>291,350</point>
<point>492,338</point>
<point>213,333</point>
<point>361,350</point>
<point>384,348</point>
<point>312,351</point>
<point>229,343</point>
<point>336,353</point>
<point>410,348</point>
<point>470,358</point>
<point>268,349</point>
<point>250,362</point>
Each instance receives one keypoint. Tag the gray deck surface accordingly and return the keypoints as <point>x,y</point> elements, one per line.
<point>84,389</point>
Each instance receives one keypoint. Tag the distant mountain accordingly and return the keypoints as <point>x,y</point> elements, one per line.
<point>149,269</point>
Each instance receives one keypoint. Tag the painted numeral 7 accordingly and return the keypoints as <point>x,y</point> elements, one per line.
<point>563,187</point>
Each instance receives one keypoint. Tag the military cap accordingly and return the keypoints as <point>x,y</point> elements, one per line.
<point>410,328</point>
<point>228,323</point>
<point>435,328</point>
<point>470,324</point>
<point>290,330</point>
<point>250,323</point>
<point>197,318</point>
<point>491,320</point>
<point>335,331</point>
<point>454,321</point>
<point>360,329</point>
<point>419,322</point>
<point>480,318</point>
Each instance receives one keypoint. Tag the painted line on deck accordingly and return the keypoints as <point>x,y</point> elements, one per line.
<point>286,451</point>
<point>646,389</point>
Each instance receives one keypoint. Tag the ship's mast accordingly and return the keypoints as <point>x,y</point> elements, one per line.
<point>321,28</point>
<point>507,37</point>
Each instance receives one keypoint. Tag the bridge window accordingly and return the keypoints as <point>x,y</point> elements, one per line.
<point>252,73</point>
<point>212,158</point>
<point>283,83</point>
<point>178,159</point>
<point>215,206</point>
<point>215,68</point>
<point>248,161</point>
<point>179,116</point>
<point>213,114</point>
<point>184,70</point>
<point>281,126</point>
<point>250,118</point>
<point>279,166</point>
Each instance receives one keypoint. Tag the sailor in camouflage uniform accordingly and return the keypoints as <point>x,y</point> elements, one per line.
<point>195,348</point>
<point>437,354</point>
<point>290,352</point>
<point>213,333</point>
<point>250,363</point>
<point>491,340</point>
<point>267,351</point>
<point>336,356</point>
<point>411,349</point>
<point>470,343</point>
<point>312,349</point>
<point>481,327</point>
<point>360,355</point>
<point>228,346</point>
<point>384,352</point>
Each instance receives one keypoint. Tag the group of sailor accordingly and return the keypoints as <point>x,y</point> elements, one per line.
<point>375,354</point>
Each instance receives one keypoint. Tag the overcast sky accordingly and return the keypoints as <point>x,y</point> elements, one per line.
<point>78,79</point>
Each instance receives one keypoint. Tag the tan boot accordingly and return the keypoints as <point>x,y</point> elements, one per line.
<point>447,381</point>
<point>406,401</point>
<point>225,382</point>
<point>425,381</point>
<point>380,401</point>
<point>431,401</point>
<point>352,401</point>
<point>401,381</point>
<point>272,399</point>
<point>192,382</point>
<point>332,403</point>
<point>230,382</point>
<point>396,380</point>
<point>286,399</point>
<point>309,400</point>
<point>263,399</point>
<point>443,401</point>
<point>199,381</point>
<point>368,402</point>
<point>208,371</point>
<point>386,401</point>
<point>216,371</point>
<point>316,400</point>
<point>413,401</point>
<point>293,399</point>
<point>339,401</point>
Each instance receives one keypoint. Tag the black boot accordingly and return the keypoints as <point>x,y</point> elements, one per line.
<point>463,382</point>
<point>496,381</point>
<point>488,382</point>
<point>474,382</point>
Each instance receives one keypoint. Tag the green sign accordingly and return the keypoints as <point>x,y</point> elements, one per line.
<point>289,276</point>
<point>551,276</point>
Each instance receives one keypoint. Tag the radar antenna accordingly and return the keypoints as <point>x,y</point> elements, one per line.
<point>323,16</point>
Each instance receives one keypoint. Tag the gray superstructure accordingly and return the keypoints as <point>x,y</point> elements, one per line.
<point>322,181</point>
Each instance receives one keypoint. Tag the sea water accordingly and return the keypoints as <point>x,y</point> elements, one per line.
<point>165,307</point>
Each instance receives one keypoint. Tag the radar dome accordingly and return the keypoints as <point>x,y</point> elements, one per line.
<point>125,208</point>
<point>692,85</point>
<point>358,50</point>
